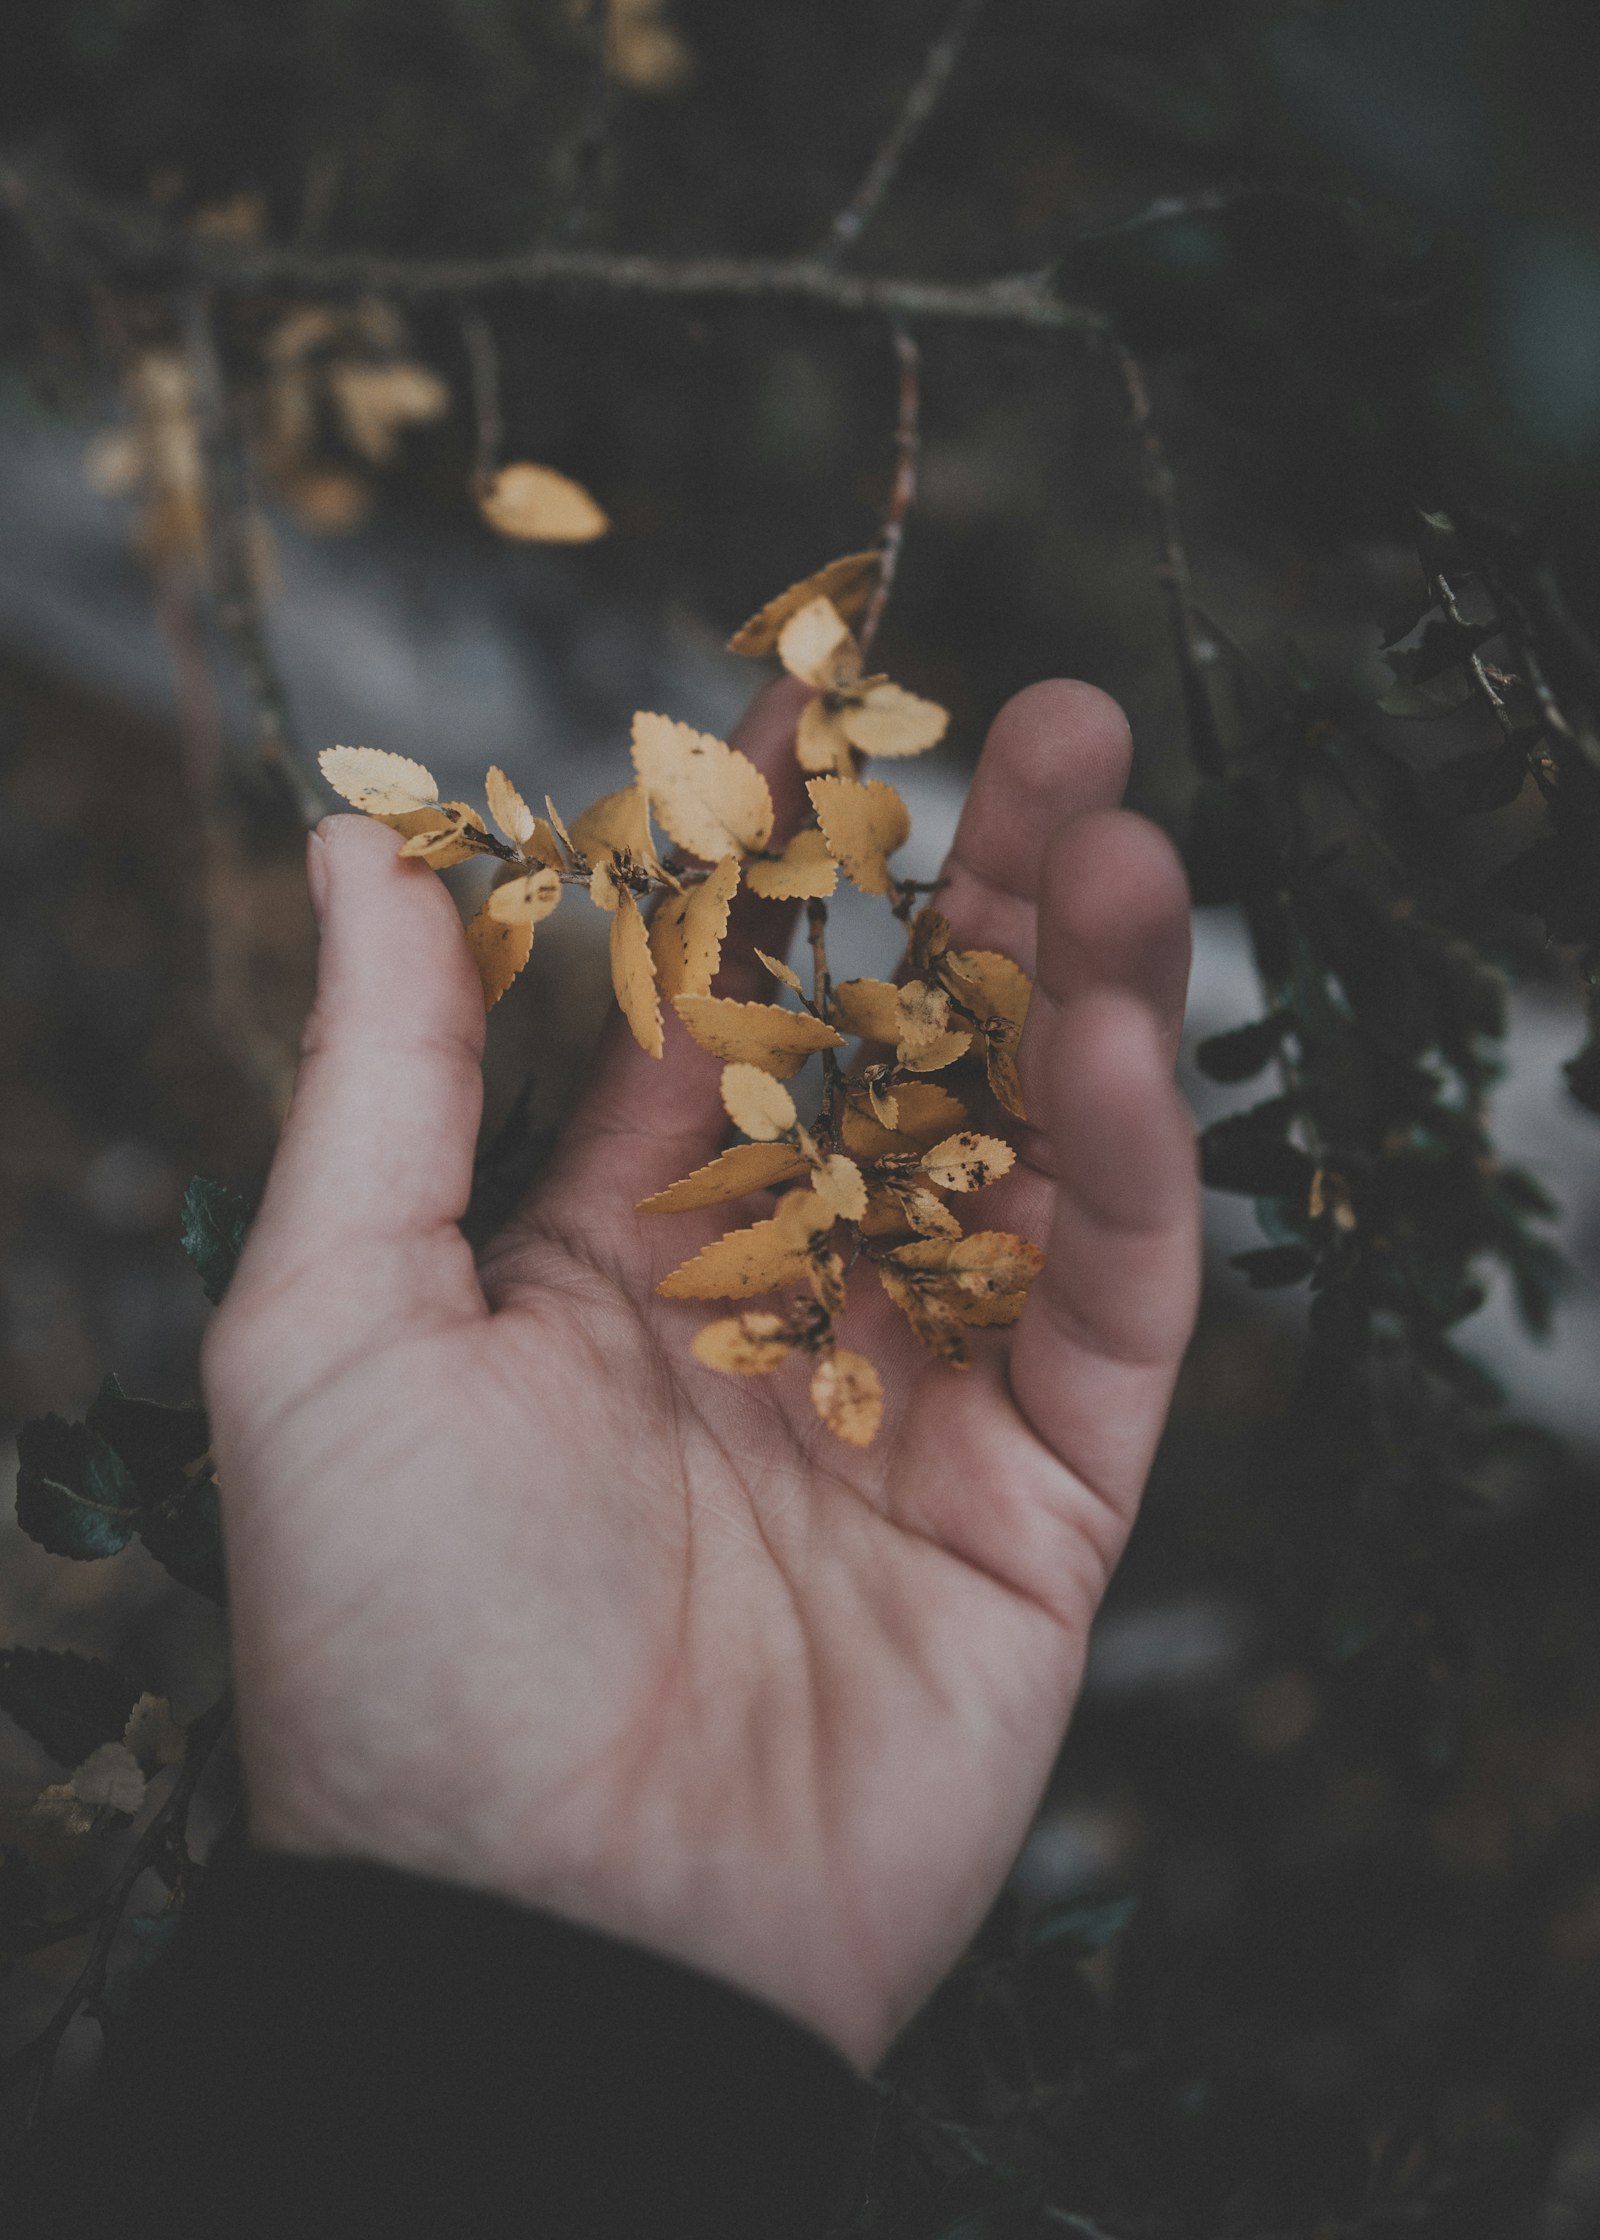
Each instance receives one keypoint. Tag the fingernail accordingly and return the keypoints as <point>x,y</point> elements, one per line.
<point>317,872</point>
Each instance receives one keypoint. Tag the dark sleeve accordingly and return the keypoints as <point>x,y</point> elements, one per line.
<point>343,2049</point>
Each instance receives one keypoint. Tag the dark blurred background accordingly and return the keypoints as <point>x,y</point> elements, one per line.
<point>1355,248</point>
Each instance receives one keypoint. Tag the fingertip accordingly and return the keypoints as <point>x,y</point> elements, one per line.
<point>1063,720</point>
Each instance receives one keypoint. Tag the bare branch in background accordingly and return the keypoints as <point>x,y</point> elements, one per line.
<point>483,361</point>
<point>232,555</point>
<point>1193,648</point>
<point>918,106</point>
<point>902,494</point>
<point>132,245</point>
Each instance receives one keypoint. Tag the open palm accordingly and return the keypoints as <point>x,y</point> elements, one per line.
<point>526,1597</point>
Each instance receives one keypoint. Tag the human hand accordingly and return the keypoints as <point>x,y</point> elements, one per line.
<point>526,1598</point>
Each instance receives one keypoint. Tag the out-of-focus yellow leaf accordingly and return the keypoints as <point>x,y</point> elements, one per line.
<point>745,1345</point>
<point>735,1173</point>
<point>883,719</point>
<point>929,1313</point>
<point>508,809</point>
<point>927,1112</point>
<point>758,1105</point>
<point>152,1735</point>
<point>618,823</point>
<point>642,49</point>
<point>805,871</point>
<point>538,505</point>
<point>757,1034</point>
<point>768,1256</point>
<point>711,798</point>
<point>863,823</point>
<point>968,1161</point>
<point>384,785</point>
<point>820,740</point>
<point>687,931</point>
<point>374,402</point>
<point>816,645</point>
<point>848,583</point>
<point>527,900</point>
<point>633,974</point>
<point>500,948</point>
<point>847,1393</point>
<point>841,1186</point>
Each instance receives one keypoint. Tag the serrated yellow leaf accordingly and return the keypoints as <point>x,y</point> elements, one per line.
<point>538,505</point>
<point>759,1106</point>
<point>927,1112</point>
<point>885,1104</point>
<point>816,645</point>
<point>508,809</point>
<point>382,784</point>
<point>885,720</point>
<point>785,974</point>
<point>767,1256</point>
<point>445,836</point>
<point>617,824</point>
<point>863,824</point>
<point>987,984</point>
<point>981,1278</point>
<point>820,741</point>
<point>735,1173</point>
<point>869,1008</point>
<point>841,1186</point>
<point>605,888</point>
<point>847,1393</point>
<point>968,1161</point>
<point>744,1345</point>
<point>929,1314</point>
<point>757,1034</point>
<point>554,815</point>
<point>711,798</point>
<point>500,948</point>
<point>633,974</point>
<point>687,931</point>
<point>527,900</point>
<point>804,872</point>
<point>847,582</point>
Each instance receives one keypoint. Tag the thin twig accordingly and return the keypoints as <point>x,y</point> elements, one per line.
<point>230,520</point>
<point>135,246</point>
<point>938,65</point>
<point>483,362</point>
<point>166,1829</point>
<point>822,1004</point>
<point>903,491</point>
<point>1193,650</point>
<point>587,150</point>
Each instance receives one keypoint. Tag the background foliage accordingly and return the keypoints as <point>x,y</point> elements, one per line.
<point>1315,497</point>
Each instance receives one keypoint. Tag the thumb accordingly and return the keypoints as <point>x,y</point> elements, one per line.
<point>374,1167</point>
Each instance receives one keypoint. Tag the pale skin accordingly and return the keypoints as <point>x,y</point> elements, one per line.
<point>526,1598</point>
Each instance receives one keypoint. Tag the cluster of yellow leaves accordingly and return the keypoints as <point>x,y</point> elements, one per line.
<point>113,1778</point>
<point>891,1149</point>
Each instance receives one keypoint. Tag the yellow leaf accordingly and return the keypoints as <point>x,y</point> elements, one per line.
<point>978,1274</point>
<point>375,402</point>
<point>745,1345</point>
<point>687,931</point>
<point>445,836</point>
<point>926,1113</point>
<point>554,815</point>
<point>383,784</point>
<point>929,1314</point>
<point>735,1173</point>
<point>804,871</point>
<point>1000,1057</point>
<point>815,645</point>
<point>885,1104</point>
<point>500,948</point>
<point>847,582</point>
<point>863,825</point>
<point>847,1393</point>
<point>927,1042</point>
<point>618,823</point>
<point>987,984</point>
<point>820,740</point>
<point>110,1776</point>
<point>869,1008</point>
<point>539,505</point>
<point>884,720</point>
<point>711,799</point>
<point>825,1273</point>
<point>839,1183</point>
<point>758,1105</point>
<point>757,1034</point>
<point>605,888</point>
<point>783,973</point>
<point>508,809</point>
<point>527,900</point>
<point>633,974</point>
<point>152,1735</point>
<point>767,1256</point>
<point>643,50</point>
<point>968,1162</point>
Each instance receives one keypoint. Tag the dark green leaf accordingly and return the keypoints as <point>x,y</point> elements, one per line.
<point>185,1534</point>
<point>1086,1924</point>
<point>164,1449</point>
<point>1423,703</point>
<point>1274,1267</point>
<point>215,1219</point>
<point>1242,1052</point>
<point>74,1495</point>
<point>70,1704</point>
<point>1250,1152</point>
<point>1443,645</point>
